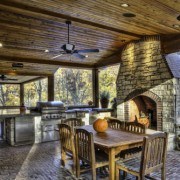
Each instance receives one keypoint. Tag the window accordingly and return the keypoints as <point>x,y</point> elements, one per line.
<point>73,86</point>
<point>35,91</point>
<point>9,95</point>
<point>107,80</point>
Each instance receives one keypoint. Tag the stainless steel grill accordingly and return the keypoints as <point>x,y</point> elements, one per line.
<point>51,110</point>
<point>52,114</point>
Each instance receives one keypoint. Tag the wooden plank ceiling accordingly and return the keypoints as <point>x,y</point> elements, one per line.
<point>29,27</point>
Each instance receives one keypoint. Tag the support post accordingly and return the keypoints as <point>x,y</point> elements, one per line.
<point>21,94</point>
<point>51,88</point>
<point>95,73</point>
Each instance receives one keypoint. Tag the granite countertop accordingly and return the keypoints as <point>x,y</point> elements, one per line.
<point>89,110</point>
<point>16,113</point>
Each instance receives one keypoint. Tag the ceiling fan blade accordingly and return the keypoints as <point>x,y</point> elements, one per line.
<point>56,56</point>
<point>80,56</point>
<point>87,50</point>
<point>9,79</point>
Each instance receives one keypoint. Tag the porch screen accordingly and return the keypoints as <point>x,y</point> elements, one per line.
<point>73,86</point>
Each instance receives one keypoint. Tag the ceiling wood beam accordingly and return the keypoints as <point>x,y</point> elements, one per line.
<point>111,60</point>
<point>63,16</point>
<point>40,61</point>
<point>170,43</point>
<point>16,73</point>
<point>10,83</point>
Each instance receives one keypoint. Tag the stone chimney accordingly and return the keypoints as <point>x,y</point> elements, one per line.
<point>146,85</point>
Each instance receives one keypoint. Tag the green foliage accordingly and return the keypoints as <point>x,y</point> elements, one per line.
<point>9,95</point>
<point>105,95</point>
<point>107,80</point>
<point>73,86</point>
<point>35,91</point>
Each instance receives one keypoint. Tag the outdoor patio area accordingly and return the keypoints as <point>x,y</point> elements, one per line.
<point>42,162</point>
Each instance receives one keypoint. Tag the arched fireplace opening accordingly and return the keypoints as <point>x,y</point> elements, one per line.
<point>145,105</point>
<point>145,109</point>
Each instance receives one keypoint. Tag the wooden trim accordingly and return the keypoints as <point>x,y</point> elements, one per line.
<point>14,83</point>
<point>95,75</point>
<point>44,61</point>
<point>63,16</point>
<point>51,88</point>
<point>111,60</point>
<point>21,94</point>
<point>11,72</point>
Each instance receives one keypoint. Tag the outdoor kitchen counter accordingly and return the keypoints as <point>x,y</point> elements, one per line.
<point>7,113</point>
<point>19,128</point>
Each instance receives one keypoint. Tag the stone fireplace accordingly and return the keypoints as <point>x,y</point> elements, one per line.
<point>146,87</point>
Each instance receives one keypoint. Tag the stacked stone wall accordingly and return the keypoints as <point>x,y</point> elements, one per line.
<point>144,68</point>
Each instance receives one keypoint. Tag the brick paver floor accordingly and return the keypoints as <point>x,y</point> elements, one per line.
<point>42,162</point>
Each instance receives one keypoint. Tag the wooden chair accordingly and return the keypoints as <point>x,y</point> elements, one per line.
<point>85,152</point>
<point>134,127</point>
<point>67,144</point>
<point>73,122</point>
<point>115,124</point>
<point>153,158</point>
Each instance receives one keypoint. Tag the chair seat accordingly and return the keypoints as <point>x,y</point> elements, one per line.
<point>132,164</point>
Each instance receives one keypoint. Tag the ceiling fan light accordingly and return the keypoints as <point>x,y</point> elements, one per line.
<point>70,47</point>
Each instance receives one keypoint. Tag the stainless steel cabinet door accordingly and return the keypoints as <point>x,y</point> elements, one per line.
<point>24,129</point>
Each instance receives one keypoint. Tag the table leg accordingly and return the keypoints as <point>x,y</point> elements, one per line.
<point>112,164</point>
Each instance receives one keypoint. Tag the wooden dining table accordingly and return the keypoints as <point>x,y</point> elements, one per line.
<point>113,142</point>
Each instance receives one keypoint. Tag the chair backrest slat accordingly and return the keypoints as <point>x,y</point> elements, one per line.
<point>115,124</point>
<point>73,122</point>
<point>135,127</point>
<point>154,152</point>
<point>84,146</point>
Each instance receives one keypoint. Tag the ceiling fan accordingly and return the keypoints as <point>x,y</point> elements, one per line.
<point>70,48</point>
<point>5,78</point>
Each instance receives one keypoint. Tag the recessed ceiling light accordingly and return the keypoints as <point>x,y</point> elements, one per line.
<point>129,15</point>
<point>125,5</point>
<point>1,45</point>
<point>176,25</point>
<point>178,18</point>
<point>46,51</point>
<point>86,56</point>
<point>123,40</point>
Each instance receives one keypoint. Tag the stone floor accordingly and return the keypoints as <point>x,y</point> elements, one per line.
<point>42,162</point>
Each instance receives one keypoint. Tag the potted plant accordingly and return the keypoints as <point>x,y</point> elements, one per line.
<point>104,99</point>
